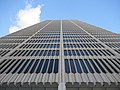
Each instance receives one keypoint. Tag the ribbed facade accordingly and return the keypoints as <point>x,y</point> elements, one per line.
<point>60,55</point>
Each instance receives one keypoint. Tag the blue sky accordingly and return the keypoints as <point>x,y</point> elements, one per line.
<point>102,13</point>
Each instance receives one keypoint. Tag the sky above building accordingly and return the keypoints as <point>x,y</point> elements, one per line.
<point>18,14</point>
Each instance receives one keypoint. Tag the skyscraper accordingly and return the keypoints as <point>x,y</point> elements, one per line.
<point>60,55</point>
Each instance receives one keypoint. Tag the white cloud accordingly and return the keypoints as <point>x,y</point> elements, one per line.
<point>26,17</point>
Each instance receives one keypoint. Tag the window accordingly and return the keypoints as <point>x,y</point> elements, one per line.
<point>34,66</point>
<point>45,66</point>
<point>78,66</point>
<point>25,64</point>
<point>40,66</point>
<point>88,65</point>
<point>93,64</point>
<point>72,66</point>
<point>67,69</point>
<point>83,66</point>
<point>29,66</point>
<point>51,66</point>
<point>56,66</point>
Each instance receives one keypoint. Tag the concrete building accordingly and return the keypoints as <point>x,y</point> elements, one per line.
<point>60,55</point>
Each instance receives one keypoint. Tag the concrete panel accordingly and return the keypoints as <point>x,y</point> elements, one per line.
<point>72,89</point>
<point>11,88</point>
<point>1,88</point>
<point>113,88</point>
<point>51,88</point>
<point>99,89</point>
<point>24,88</point>
<point>85,89</point>
<point>38,88</point>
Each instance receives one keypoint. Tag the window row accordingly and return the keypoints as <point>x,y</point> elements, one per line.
<point>91,65</point>
<point>110,40</point>
<point>11,41</point>
<point>113,45</point>
<point>30,66</point>
<point>40,46</point>
<point>84,45</point>
<point>3,52</point>
<point>43,41</point>
<point>76,36</point>
<point>88,52</point>
<point>9,46</point>
<point>35,53</point>
<point>79,40</point>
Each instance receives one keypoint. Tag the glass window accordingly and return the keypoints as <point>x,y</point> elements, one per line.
<point>56,66</point>
<point>40,66</point>
<point>67,68</point>
<point>45,52</point>
<point>72,66</point>
<point>65,52</point>
<point>37,53</point>
<point>24,66</point>
<point>73,52</point>
<point>100,66</point>
<point>41,53</point>
<point>93,64</point>
<point>45,66</point>
<point>34,66</point>
<point>18,66</point>
<point>57,52</point>
<point>83,66</point>
<point>78,66</point>
<point>49,53</point>
<point>29,66</point>
<point>86,53</point>
<point>69,53</point>
<point>33,53</point>
<point>110,65</point>
<point>81,52</point>
<point>78,53</point>
<point>51,66</point>
<point>53,52</point>
<point>88,65</point>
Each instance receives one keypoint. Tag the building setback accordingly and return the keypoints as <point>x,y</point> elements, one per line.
<point>60,55</point>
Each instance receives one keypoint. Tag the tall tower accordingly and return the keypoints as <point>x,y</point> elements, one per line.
<point>60,55</point>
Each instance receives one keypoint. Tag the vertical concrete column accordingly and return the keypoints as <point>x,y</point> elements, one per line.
<point>61,85</point>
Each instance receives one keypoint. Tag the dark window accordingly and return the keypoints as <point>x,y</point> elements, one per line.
<point>56,66</point>
<point>111,66</point>
<point>29,66</point>
<point>45,52</point>
<point>100,66</point>
<point>25,64</point>
<point>105,66</point>
<point>86,53</point>
<point>88,65</point>
<point>69,53</point>
<point>81,52</point>
<point>72,66</point>
<point>34,66</point>
<point>57,52</point>
<point>45,66</point>
<point>83,66</point>
<point>53,52</point>
<point>18,66</point>
<point>51,66</point>
<point>78,66</point>
<point>65,52</point>
<point>41,53</point>
<point>73,52</point>
<point>95,67</point>
<point>40,66</point>
<point>67,68</point>
<point>78,53</point>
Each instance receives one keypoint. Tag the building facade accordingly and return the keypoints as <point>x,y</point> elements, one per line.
<point>60,55</point>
